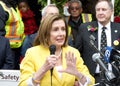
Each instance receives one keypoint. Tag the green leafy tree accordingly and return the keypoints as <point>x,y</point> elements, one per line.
<point>117,8</point>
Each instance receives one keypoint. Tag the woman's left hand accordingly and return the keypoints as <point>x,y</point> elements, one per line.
<point>71,64</point>
<point>71,67</point>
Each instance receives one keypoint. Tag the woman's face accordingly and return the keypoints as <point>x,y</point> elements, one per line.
<point>58,33</point>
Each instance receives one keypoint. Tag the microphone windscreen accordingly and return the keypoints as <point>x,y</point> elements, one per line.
<point>52,49</point>
<point>95,56</point>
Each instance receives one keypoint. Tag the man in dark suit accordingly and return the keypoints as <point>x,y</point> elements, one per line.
<point>6,57</point>
<point>104,10</point>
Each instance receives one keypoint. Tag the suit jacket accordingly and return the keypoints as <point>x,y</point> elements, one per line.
<point>6,56</point>
<point>83,42</point>
<point>36,56</point>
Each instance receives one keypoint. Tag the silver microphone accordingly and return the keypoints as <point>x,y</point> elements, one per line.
<point>109,75</point>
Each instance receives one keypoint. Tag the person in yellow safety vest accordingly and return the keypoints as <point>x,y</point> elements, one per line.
<point>13,27</point>
<point>75,19</point>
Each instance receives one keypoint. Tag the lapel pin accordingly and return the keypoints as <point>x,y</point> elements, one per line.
<point>115,31</point>
<point>116,42</point>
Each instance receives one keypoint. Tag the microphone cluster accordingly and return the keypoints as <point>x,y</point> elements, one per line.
<point>108,56</point>
<point>109,75</point>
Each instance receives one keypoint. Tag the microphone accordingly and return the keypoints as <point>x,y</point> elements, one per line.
<point>92,45</point>
<point>109,75</point>
<point>116,57</point>
<point>107,55</point>
<point>92,38</point>
<point>111,54</point>
<point>96,58</point>
<point>52,49</point>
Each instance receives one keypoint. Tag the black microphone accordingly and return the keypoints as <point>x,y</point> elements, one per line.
<point>52,49</point>
<point>109,75</point>
<point>92,44</point>
<point>116,57</point>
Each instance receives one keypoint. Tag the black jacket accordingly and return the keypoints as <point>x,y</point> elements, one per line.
<point>6,56</point>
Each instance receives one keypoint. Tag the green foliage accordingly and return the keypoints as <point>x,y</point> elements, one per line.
<point>43,3</point>
<point>117,8</point>
<point>59,3</point>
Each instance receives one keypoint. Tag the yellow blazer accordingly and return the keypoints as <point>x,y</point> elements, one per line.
<point>35,58</point>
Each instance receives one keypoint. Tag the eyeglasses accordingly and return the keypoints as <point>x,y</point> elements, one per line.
<point>74,8</point>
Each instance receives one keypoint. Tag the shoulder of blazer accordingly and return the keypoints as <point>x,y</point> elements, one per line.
<point>115,26</point>
<point>93,24</point>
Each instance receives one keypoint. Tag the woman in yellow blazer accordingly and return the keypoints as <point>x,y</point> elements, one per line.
<point>66,63</point>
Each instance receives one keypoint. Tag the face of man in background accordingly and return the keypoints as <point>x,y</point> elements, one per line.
<point>75,10</point>
<point>50,10</point>
<point>103,12</point>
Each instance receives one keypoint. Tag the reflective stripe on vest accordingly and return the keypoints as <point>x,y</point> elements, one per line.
<point>14,27</point>
<point>70,33</point>
<point>69,30</point>
<point>86,17</point>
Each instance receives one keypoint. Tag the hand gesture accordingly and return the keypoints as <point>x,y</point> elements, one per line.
<point>50,62</point>
<point>71,64</point>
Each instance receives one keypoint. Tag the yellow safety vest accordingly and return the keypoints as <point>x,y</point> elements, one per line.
<point>85,18</point>
<point>14,27</point>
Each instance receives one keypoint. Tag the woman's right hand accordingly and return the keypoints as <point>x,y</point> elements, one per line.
<point>50,62</point>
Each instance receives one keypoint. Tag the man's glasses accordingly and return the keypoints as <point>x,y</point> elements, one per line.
<point>74,8</point>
